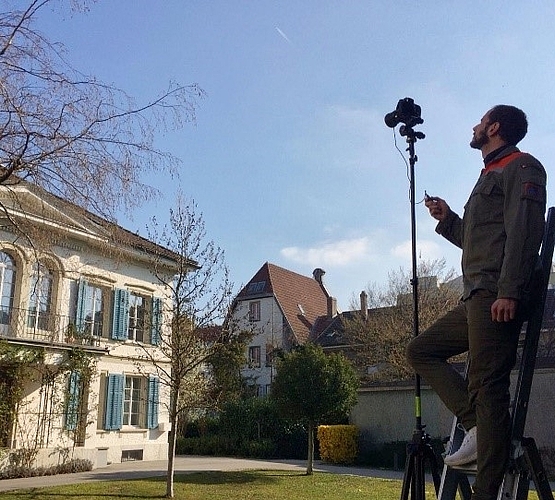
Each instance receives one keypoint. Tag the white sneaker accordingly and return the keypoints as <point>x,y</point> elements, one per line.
<point>467,452</point>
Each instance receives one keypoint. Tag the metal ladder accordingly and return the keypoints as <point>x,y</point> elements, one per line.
<point>525,463</point>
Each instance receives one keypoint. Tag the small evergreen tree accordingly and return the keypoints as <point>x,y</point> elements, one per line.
<point>313,388</point>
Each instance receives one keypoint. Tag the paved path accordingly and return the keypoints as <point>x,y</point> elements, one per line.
<point>183,465</point>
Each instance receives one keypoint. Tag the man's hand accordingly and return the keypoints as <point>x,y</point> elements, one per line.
<point>437,207</point>
<point>503,310</point>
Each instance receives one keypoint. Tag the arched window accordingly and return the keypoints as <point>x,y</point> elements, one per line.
<point>40,297</point>
<point>7,287</point>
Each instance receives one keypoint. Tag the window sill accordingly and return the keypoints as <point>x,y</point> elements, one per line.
<point>125,430</point>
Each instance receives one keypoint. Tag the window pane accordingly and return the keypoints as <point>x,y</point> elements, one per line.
<point>93,311</point>
<point>39,298</point>
<point>132,401</point>
<point>136,317</point>
<point>7,286</point>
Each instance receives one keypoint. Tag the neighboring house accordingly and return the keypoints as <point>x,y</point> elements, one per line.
<point>76,287</point>
<point>287,309</point>
<point>282,308</point>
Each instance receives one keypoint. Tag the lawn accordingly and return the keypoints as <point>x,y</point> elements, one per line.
<point>246,485</point>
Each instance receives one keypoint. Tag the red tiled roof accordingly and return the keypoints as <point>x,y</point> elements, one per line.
<point>290,290</point>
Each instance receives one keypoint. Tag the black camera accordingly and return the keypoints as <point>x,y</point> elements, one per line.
<point>406,112</point>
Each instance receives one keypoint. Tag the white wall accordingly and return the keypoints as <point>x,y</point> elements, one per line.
<point>75,260</point>
<point>268,332</point>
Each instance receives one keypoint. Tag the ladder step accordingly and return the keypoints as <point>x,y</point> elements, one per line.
<point>469,468</point>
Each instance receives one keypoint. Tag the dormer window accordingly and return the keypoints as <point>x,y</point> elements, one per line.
<point>256,287</point>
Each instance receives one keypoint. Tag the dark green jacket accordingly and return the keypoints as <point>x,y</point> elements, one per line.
<point>502,226</point>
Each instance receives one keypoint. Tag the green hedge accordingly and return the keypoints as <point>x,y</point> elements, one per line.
<point>247,428</point>
<point>393,455</point>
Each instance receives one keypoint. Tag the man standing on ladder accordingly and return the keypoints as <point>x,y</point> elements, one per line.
<point>500,234</point>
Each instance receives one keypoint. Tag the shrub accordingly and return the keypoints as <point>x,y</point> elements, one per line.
<point>74,465</point>
<point>338,443</point>
<point>263,448</point>
<point>206,445</point>
<point>247,428</point>
<point>393,455</point>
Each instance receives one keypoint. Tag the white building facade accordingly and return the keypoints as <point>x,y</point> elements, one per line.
<point>87,315</point>
<point>282,309</point>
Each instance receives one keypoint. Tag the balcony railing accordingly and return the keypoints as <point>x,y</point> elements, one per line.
<point>42,326</point>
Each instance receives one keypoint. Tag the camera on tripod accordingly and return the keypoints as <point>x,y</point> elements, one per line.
<point>406,112</point>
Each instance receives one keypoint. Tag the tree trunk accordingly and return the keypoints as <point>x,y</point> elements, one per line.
<point>171,444</point>
<point>310,459</point>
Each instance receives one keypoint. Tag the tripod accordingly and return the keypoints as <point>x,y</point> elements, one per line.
<point>419,450</point>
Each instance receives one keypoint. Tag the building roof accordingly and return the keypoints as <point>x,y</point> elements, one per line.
<point>301,299</point>
<point>330,331</point>
<point>24,203</point>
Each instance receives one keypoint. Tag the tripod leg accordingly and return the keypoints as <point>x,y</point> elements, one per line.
<point>409,473</point>
<point>432,460</point>
<point>420,477</point>
<point>418,453</point>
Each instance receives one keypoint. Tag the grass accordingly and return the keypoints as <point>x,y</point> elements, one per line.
<point>246,485</point>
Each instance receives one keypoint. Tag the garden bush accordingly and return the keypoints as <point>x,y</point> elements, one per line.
<point>338,443</point>
<point>248,428</point>
<point>74,465</point>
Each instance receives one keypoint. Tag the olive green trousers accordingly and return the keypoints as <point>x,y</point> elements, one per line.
<point>483,399</point>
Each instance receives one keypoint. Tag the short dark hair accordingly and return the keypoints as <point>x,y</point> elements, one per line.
<point>513,124</point>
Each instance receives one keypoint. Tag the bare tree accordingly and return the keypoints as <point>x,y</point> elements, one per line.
<point>200,292</point>
<point>77,137</point>
<point>380,335</point>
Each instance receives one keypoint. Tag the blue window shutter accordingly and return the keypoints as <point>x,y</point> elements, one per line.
<point>120,318</point>
<point>81,304</point>
<point>74,396</point>
<point>114,402</point>
<point>153,401</point>
<point>156,327</point>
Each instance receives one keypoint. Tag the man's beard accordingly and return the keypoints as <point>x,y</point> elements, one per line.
<point>479,141</point>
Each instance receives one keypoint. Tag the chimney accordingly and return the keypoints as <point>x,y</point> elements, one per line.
<point>364,305</point>
<point>332,307</point>
<point>318,275</point>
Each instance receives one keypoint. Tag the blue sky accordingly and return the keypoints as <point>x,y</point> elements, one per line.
<point>290,160</point>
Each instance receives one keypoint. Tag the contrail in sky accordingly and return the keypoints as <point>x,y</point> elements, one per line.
<point>283,35</point>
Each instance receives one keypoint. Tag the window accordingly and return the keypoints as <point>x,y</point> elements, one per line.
<point>136,317</point>
<point>136,328</point>
<point>254,311</point>
<point>131,455</point>
<point>262,390</point>
<point>130,400</point>
<point>40,298</point>
<point>7,287</point>
<point>256,287</point>
<point>270,354</point>
<point>90,308</point>
<point>254,356</point>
